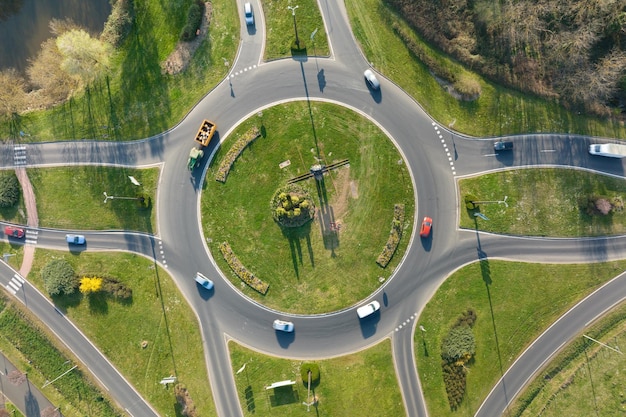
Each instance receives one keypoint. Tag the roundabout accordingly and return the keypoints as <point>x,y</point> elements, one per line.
<point>327,263</point>
<point>435,157</point>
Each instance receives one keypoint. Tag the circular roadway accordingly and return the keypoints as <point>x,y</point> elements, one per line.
<point>435,158</point>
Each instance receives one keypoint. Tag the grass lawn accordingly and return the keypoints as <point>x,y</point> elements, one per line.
<point>518,303</point>
<point>72,198</point>
<point>586,379</point>
<point>280,29</point>
<point>157,314</point>
<point>137,100</point>
<point>362,383</point>
<point>544,202</point>
<point>498,111</point>
<point>310,270</point>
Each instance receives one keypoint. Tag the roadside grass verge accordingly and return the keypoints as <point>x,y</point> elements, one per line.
<point>498,111</point>
<point>136,100</point>
<point>514,302</point>
<point>72,198</point>
<point>585,379</point>
<point>311,269</point>
<point>280,29</point>
<point>15,252</point>
<point>543,202</point>
<point>350,386</point>
<point>157,314</point>
<point>32,350</point>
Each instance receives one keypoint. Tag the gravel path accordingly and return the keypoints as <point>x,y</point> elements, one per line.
<point>31,216</point>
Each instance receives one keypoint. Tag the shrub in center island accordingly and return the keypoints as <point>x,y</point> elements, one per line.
<point>292,206</point>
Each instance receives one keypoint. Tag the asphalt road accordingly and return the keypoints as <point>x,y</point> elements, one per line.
<point>435,156</point>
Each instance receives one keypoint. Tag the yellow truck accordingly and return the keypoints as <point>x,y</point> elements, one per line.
<point>206,132</point>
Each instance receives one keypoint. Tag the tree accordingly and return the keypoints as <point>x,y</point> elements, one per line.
<point>45,73</point>
<point>90,285</point>
<point>84,58</point>
<point>59,277</point>
<point>9,190</point>
<point>12,92</point>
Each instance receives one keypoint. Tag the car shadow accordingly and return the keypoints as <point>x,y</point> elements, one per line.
<point>369,324</point>
<point>204,293</point>
<point>251,29</point>
<point>377,95</point>
<point>427,242</point>
<point>285,339</point>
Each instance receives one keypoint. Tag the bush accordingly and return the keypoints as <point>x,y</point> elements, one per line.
<point>292,206</point>
<point>117,289</point>
<point>469,202</point>
<point>458,345</point>
<point>315,374</point>
<point>9,190</point>
<point>234,152</point>
<point>194,20</point>
<point>241,271</point>
<point>59,277</point>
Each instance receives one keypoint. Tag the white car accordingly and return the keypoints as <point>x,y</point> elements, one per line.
<point>368,309</point>
<point>371,79</point>
<point>248,14</point>
<point>204,281</point>
<point>283,326</point>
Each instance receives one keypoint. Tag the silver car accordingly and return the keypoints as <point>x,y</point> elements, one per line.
<point>248,14</point>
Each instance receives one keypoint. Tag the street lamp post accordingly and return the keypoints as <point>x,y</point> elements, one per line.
<point>295,27</point>
<point>111,197</point>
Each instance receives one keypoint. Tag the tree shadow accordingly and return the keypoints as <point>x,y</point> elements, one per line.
<point>326,217</point>
<point>31,404</point>
<point>249,395</point>
<point>294,236</point>
<point>98,303</point>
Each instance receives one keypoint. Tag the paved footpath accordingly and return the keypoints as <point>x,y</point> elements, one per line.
<point>25,396</point>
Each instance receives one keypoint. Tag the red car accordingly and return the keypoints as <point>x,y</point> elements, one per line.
<point>427,223</point>
<point>12,231</point>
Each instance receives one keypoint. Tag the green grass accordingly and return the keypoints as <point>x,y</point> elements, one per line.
<point>118,329</point>
<point>29,348</point>
<point>574,386</point>
<point>498,111</point>
<point>72,198</point>
<point>362,383</point>
<point>280,29</point>
<point>136,100</point>
<point>310,271</point>
<point>543,202</point>
<point>520,301</point>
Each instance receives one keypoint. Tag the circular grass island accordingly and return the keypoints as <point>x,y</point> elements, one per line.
<point>328,261</point>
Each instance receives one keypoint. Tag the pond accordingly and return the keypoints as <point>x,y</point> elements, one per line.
<point>24,25</point>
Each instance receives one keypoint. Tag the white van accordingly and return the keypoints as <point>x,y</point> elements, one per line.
<point>367,309</point>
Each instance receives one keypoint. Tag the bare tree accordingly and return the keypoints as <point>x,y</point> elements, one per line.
<point>50,411</point>
<point>84,58</point>
<point>12,92</point>
<point>46,74</point>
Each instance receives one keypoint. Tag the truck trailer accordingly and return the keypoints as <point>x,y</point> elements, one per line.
<point>612,150</point>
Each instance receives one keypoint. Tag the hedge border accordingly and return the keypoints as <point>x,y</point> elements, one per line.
<point>233,153</point>
<point>394,236</point>
<point>241,271</point>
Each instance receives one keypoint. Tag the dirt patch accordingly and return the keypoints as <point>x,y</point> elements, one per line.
<point>346,189</point>
<point>183,52</point>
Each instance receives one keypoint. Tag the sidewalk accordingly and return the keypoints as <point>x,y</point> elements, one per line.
<point>25,396</point>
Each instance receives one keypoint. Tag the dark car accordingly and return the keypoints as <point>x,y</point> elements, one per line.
<point>12,231</point>
<point>502,145</point>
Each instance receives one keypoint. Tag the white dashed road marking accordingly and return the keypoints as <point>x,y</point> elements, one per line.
<point>406,322</point>
<point>445,147</point>
<point>162,252</point>
<point>246,69</point>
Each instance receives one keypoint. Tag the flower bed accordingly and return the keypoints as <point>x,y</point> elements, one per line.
<point>394,236</point>
<point>234,152</point>
<point>241,271</point>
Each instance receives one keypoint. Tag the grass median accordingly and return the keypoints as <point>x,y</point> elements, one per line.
<point>358,384</point>
<point>514,302</point>
<point>72,198</point>
<point>330,262</point>
<point>545,202</point>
